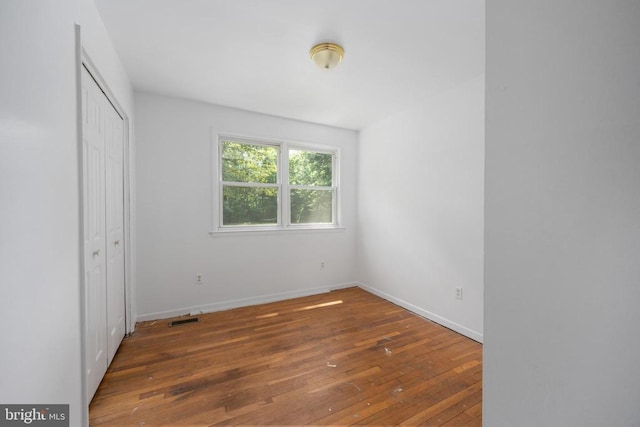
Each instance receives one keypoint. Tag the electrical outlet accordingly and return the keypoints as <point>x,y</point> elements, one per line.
<point>199,279</point>
<point>321,265</point>
<point>458,293</point>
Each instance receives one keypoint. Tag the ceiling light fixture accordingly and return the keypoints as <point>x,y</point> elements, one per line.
<point>326,55</point>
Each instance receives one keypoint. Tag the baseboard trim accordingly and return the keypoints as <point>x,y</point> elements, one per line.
<point>470,333</point>
<point>243,302</point>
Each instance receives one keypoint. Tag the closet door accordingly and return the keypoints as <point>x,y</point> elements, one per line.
<point>114,143</point>
<point>95,271</point>
<point>104,257</point>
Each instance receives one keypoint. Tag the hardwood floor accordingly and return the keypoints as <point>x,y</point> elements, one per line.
<point>341,358</point>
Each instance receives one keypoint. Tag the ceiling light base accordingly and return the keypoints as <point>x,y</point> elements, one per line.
<point>326,55</point>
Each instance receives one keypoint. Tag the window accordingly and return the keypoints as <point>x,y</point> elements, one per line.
<point>249,184</point>
<point>275,185</point>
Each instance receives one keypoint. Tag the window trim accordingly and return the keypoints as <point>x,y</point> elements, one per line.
<point>282,183</point>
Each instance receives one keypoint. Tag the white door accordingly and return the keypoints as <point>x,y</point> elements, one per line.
<point>114,143</point>
<point>95,269</point>
<point>104,257</point>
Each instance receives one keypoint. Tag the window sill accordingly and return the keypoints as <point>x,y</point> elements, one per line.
<point>266,231</point>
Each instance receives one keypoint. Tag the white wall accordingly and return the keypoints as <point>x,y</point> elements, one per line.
<point>562,271</point>
<point>420,208</point>
<point>174,207</point>
<point>40,361</point>
<point>100,50</point>
<point>39,252</point>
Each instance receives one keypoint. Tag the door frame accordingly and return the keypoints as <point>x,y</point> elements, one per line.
<point>83,59</point>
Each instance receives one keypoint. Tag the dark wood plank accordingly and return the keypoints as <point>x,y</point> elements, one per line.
<point>340,358</point>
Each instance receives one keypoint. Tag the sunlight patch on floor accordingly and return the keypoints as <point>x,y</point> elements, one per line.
<point>326,304</point>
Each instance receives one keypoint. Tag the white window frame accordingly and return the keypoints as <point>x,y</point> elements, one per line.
<point>282,184</point>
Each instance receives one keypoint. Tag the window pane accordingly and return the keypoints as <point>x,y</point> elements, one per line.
<point>311,206</point>
<point>249,163</point>
<point>250,205</point>
<point>309,168</point>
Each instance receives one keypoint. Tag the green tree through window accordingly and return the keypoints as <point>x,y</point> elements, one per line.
<point>311,195</point>
<point>244,164</point>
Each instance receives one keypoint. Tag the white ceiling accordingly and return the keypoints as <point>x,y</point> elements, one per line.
<point>253,54</point>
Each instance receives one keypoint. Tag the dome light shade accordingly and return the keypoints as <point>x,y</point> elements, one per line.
<point>326,55</point>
